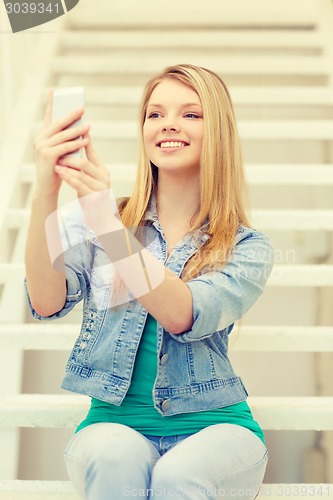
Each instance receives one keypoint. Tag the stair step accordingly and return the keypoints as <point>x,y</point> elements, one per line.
<point>37,490</point>
<point>63,490</point>
<point>265,220</point>
<point>261,338</point>
<point>275,413</point>
<point>293,175</point>
<point>282,338</point>
<point>292,96</point>
<point>301,275</point>
<point>275,96</point>
<point>189,39</point>
<point>185,14</point>
<point>40,336</point>
<point>11,271</point>
<point>143,63</point>
<point>299,220</point>
<point>263,174</point>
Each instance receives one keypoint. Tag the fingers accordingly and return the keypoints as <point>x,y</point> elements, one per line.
<point>51,155</point>
<point>64,142</point>
<point>101,175</point>
<point>63,122</point>
<point>74,179</point>
<point>50,131</point>
<point>68,134</point>
<point>66,121</point>
<point>83,183</point>
<point>68,147</point>
<point>83,175</point>
<point>91,152</point>
<point>48,109</point>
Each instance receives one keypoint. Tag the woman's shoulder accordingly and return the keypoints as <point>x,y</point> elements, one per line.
<point>251,234</point>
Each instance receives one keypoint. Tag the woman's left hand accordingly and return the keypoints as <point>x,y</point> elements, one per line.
<point>91,180</point>
<point>85,175</point>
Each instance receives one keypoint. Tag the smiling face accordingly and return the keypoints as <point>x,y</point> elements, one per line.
<point>173,127</point>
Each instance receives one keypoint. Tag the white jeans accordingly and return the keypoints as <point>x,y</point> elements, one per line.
<point>112,461</point>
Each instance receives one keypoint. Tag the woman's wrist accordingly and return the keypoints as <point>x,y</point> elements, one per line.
<point>99,210</point>
<point>45,195</point>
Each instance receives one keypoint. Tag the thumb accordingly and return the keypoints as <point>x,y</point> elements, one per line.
<point>91,152</point>
<point>48,109</point>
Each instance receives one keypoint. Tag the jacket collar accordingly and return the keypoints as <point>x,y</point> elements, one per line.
<point>151,214</point>
<point>151,211</point>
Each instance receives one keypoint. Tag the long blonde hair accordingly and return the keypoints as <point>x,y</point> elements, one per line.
<point>224,198</point>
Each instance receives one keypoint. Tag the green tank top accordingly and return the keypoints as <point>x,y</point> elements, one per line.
<point>137,409</point>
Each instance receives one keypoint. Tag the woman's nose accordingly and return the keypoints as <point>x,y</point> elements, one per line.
<point>172,127</point>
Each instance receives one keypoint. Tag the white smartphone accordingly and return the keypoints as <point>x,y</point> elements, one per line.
<point>66,100</point>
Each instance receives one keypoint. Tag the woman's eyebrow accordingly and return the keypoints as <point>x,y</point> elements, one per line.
<point>183,105</point>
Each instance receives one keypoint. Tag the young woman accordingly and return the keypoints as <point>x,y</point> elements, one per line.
<point>168,414</point>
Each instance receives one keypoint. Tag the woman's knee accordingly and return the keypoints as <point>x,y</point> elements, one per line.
<point>172,478</point>
<point>120,443</point>
<point>101,448</point>
<point>171,475</point>
<point>111,442</point>
<point>212,464</point>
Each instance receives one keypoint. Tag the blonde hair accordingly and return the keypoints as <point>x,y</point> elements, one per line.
<point>224,198</point>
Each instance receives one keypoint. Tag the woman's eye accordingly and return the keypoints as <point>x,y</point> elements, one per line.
<point>153,115</point>
<point>192,115</point>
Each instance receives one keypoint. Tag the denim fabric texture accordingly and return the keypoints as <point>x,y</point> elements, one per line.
<point>196,373</point>
<point>112,461</point>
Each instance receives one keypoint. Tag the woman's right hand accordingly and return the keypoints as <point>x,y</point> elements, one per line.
<point>53,141</point>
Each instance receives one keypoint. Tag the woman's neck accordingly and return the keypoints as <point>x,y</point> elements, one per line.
<point>177,201</point>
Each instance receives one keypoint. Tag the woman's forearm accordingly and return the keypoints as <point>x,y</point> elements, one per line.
<point>165,296</point>
<point>168,299</point>
<point>46,285</point>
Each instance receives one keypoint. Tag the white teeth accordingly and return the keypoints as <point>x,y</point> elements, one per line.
<point>172,144</point>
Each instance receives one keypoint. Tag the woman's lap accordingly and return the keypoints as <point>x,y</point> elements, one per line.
<point>112,461</point>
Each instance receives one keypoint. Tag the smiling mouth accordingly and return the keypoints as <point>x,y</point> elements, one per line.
<point>172,144</point>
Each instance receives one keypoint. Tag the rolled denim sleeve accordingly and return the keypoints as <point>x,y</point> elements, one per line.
<point>222,297</point>
<point>78,254</point>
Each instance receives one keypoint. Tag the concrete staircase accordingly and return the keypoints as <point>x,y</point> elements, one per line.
<point>276,57</point>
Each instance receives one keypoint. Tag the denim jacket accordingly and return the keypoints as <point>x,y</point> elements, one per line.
<point>194,371</point>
